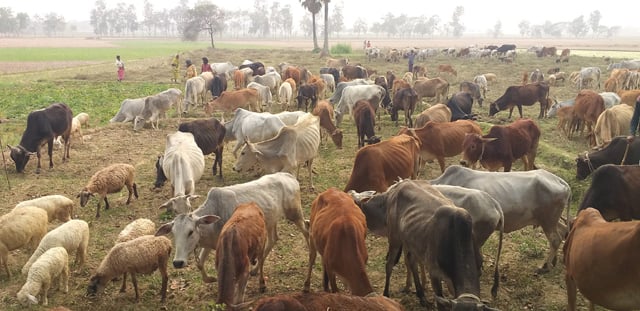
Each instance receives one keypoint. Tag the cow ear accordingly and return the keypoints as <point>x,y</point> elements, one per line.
<point>164,229</point>
<point>207,220</point>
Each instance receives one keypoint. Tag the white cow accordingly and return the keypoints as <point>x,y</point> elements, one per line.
<point>293,146</point>
<point>271,80</point>
<point>264,95</point>
<point>610,99</point>
<point>254,126</point>
<point>519,196</point>
<point>156,106</point>
<point>285,95</point>
<point>226,68</point>
<point>351,94</point>
<point>291,117</point>
<point>182,163</point>
<point>587,76</point>
<point>329,82</point>
<point>481,81</point>
<point>195,92</point>
<point>278,195</point>
<point>337,95</point>
<point>129,109</point>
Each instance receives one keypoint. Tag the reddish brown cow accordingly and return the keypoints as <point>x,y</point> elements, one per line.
<point>239,80</point>
<point>588,107</point>
<point>522,95</point>
<point>547,51</point>
<point>378,166</point>
<point>440,140</point>
<point>319,84</point>
<point>231,100</point>
<point>337,230</point>
<point>351,72</point>
<point>565,119</point>
<point>241,244</point>
<point>292,72</point>
<point>324,111</point>
<point>502,146</point>
<point>447,68</point>
<point>326,301</point>
<point>365,118</point>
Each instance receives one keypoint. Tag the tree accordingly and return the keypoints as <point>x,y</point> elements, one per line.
<point>148,21</point>
<point>360,26</point>
<point>594,21</point>
<point>325,45</point>
<point>313,6</point>
<point>130,19</point>
<point>456,26</point>
<point>204,16</point>
<point>23,22</point>
<point>337,20</point>
<point>286,20</point>
<point>179,16</point>
<point>578,27</point>
<point>8,23</point>
<point>525,28</point>
<point>259,20</point>
<point>497,30</point>
<point>99,18</point>
<point>53,23</point>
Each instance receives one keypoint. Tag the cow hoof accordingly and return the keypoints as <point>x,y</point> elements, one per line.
<point>209,279</point>
<point>543,270</point>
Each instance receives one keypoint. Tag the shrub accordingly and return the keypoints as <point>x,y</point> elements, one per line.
<point>341,48</point>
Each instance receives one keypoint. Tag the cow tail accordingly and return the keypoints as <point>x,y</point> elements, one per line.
<point>496,272</point>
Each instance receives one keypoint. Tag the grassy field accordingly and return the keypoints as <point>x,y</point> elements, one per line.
<point>93,89</point>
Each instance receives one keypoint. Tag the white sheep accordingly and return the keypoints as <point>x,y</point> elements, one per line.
<point>83,117</point>
<point>57,206</point>
<point>76,128</point>
<point>110,179</point>
<point>72,235</point>
<point>52,266</point>
<point>144,255</point>
<point>136,229</point>
<point>20,227</point>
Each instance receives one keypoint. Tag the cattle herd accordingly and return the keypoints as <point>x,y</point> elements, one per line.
<point>438,226</point>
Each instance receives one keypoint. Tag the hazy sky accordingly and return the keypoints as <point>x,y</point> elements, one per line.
<point>479,16</point>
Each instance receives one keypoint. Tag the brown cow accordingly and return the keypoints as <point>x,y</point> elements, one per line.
<point>629,96</point>
<point>319,85</point>
<point>440,140</point>
<point>292,72</point>
<point>447,68</point>
<point>435,113</point>
<point>378,166</point>
<point>337,230</point>
<point>564,56</point>
<point>399,84</point>
<point>588,107</point>
<point>419,71</point>
<point>320,301</point>
<point>324,111</point>
<point>565,119</point>
<point>436,87</point>
<point>337,63</point>
<point>365,117</point>
<point>601,260</point>
<point>519,95</point>
<point>547,51</point>
<point>241,244</point>
<point>238,80</point>
<point>351,72</point>
<point>502,145</point>
<point>231,100</point>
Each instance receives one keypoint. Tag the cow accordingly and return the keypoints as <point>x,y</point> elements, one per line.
<point>629,96</point>
<point>406,100</point>
<point>419,71</point>
<point>386,100</point>
<point>619,151</point>
<point>365,118</point>
<point>351,72</point>
<point>195,93</point>
<point>324,111</point>
<point>257,68</point>
<point>278,195</point>
<point>588,107</point>
<point>378,166</point>
<point>491,77</point>
<point>436,113</point>
<point>440,140</point>
<point>482,83</point>
<point>612,122</point>
<point>285,95</point>
<point>307,93</point>
<point>292,147</point>
<point>319,84</point>
<point>519,95</point>
<point>332,71</point>
<point>337,230</point>
<point>223,68</point>
<point>460,106</point>
<point>129,109</point>
<point>436,87</point>
<point>587,76</point>
<point>474,90</point>
<point>399,84</point>
<point>321,301</point>
<point>264,95</point>
<point>613,192</point>
<point>536,76</point>
<point>156,106</point>
<point>519,196</point>
<point>601,261</point>
<point>241,244</point>
<point>182,163</point>
<point>218,85</point>
<point>232,100</point>
<point>447,68</point>
<point>411,216</point>
<point>503,49</point>
<point>252,126</point>
<point>293,73</point>
<point>239,80</point>
<point>565,120</point>
<point>329,82</point>
<point>209,136</point>
<point>553,110</point>
<point>351,94</point>
<point>337,63</point>
<point>272,80</point>
<point>43,125</point>
<point>564,56</point>
<point>547,51</point>
<point>337,95</point>
<point>502,145</point>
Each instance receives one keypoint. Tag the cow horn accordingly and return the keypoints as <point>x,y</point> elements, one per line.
<point>488,140</point>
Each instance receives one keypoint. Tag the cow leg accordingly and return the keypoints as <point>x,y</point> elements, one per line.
<point>50,152</point>
<point>312,188</point>
<point>204,253</point>
<point>312,262</point>
<point>394,252</point>
<point>272,237</point>
<point>263,284</point>
<point>519,111</point>
<point>551,231</point>
<point>413,266</point>
<point>242,286</point>
<point>571,293</point>
<point>441,162</point>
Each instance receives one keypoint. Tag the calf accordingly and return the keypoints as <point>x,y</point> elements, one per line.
<point>365,118</point>
<point>324,111</point>
<point>588,107</point>
<point>43,126</point>
<point>405,99</point>
<point>241,244</point>
<point>447,68</point>
<point>307,93</point>
<point>232,100</point>
<point>209,136</point>
<point>601,260</point>
<point>337,230</point>
<point>613,192</point>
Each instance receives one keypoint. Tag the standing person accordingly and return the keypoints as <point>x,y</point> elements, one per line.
<point>364,45</point>
<point>175,64</point>
<point>412,56</point>
<point>120,65</point>
<point>635,119</point>
<point>191,70</point>
<point>368,44</point>
<point>205,65</point>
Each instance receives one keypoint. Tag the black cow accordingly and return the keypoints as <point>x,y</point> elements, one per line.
<point>613,153</point>
<point>460,106</point>
<point>332,71</point>
<point>505,47</point>
<point>364,117</point>
<point>257,67</point>
<point>519,95</point>
<point>404,99</point>
<point>386,100</point>
<point>218,85</point>
<point>614,192</point>
<point>306,93</point>
<point>209,136</point>
<point>43,125</point>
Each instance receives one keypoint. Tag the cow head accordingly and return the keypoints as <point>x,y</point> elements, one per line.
<point>336,137</point>
<point>20,156</point>
<point>583,166</point>
<point>473,148</point>
<point>493,109</point>
<point>160,176</point>
<point>464,302</point>
<point>179,205</point>
<point>249,157</point>
<point>138,123</point>
<point>186,229</point>
<point>374,209</point>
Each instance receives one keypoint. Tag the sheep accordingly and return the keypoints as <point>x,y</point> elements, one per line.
<point>141,255</point>
<point>110,179</point>
<point>57,206</point>
<point>52,266</point>
<point>180,204</point>
<point>72,235</point>
<point>136,229</point>
<point>83,117</point>
<point>24,226</point>
<point>76,128</point>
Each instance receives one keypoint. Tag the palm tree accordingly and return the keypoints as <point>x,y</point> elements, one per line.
<point>313,6</point>
<point>325,46</point>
